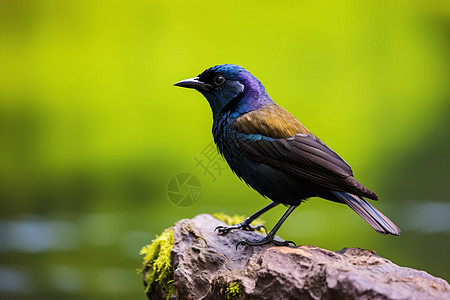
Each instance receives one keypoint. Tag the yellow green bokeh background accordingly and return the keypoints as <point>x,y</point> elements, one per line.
<point>92,130</point>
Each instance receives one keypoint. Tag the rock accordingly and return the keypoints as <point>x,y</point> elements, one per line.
<point>206,265</point>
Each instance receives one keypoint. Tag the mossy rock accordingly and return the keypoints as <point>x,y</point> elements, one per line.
<point>157,269</point>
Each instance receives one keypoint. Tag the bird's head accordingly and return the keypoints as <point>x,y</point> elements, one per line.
<point>224,86</point>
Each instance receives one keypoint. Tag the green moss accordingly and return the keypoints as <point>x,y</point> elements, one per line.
<point>235,219</point>
<point>157,263</point>
<point>233,291</point>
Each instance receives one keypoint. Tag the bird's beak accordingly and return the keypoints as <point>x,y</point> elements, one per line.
<point>194,83</point>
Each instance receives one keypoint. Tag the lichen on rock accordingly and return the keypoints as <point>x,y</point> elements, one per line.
<point>233,291</point>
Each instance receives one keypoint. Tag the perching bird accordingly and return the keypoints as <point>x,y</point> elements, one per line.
<point>274,153</point>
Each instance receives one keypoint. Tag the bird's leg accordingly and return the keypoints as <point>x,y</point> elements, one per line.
<point>246,224</point>
<point>270,237</point>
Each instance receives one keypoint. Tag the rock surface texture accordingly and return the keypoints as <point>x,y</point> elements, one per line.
<point>207,265</point>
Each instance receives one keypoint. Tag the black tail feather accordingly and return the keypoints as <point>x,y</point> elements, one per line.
<point>370,214</point>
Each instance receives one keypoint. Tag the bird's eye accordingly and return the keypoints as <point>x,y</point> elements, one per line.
<point>219,79</point>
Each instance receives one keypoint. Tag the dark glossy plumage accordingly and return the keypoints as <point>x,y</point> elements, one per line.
<point>273,152</point>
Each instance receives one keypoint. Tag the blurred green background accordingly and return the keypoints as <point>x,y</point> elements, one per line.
<point>92,130</point>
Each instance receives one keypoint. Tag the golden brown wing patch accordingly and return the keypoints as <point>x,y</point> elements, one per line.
<point>271,120</point>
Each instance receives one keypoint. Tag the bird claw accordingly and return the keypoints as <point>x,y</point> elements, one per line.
<point>223,229</point>
<point>265,241</point>
<point>250,227</point>
<point>287,243</point>
<point>241,243</point>
<point>258,227</point>
<point>247,227</point>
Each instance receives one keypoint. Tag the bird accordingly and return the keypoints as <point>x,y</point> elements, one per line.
<point>275,154</point>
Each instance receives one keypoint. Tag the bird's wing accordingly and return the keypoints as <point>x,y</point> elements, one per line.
<point>301,154</point>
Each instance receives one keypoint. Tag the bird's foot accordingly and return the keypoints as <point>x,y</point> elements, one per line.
<point>266,240</point>
<point>242,225</point>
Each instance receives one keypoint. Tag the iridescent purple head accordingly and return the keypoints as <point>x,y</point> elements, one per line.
<point>228,87</point>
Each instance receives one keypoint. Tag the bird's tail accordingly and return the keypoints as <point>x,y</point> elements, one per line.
<point>373,216</point>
